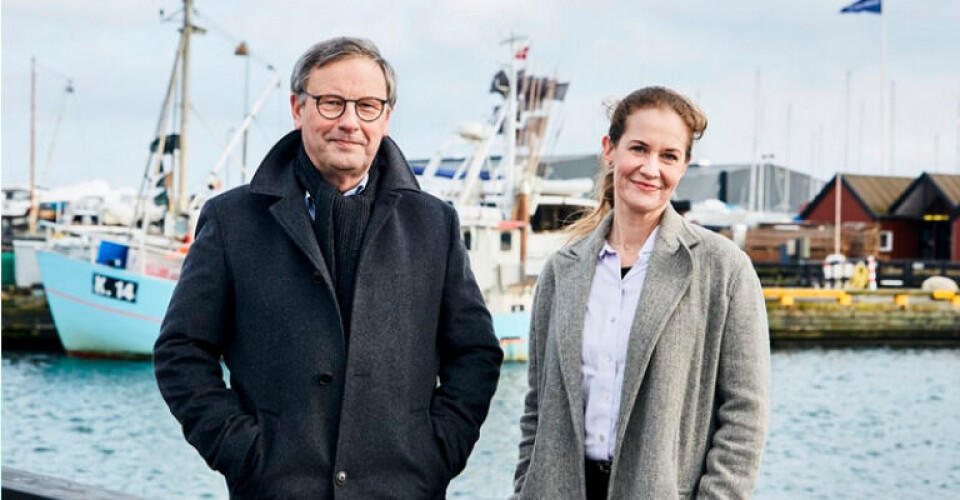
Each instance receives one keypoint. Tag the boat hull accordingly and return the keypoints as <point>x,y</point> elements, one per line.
<point>512,330</point>
<point>97,312</point>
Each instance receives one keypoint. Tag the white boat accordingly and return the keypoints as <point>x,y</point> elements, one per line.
<point>510,215</point>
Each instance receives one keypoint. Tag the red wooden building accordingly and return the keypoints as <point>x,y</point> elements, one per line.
<point>932,205</point>
<point>868,198</point>
<point>919,217</point>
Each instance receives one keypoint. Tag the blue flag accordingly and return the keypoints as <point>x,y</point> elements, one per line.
<point>862,6</point>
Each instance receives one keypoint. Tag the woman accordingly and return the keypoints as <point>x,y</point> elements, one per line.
<point>649,356</point>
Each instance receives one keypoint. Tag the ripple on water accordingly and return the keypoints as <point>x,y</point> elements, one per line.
<point>845,424</point>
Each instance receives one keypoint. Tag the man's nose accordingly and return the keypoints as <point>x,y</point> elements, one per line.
<point>349,119</point>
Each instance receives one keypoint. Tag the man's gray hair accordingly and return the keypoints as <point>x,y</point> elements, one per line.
<point>334,49</point>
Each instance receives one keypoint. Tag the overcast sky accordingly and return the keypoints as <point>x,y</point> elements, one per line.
<point>119,54</point>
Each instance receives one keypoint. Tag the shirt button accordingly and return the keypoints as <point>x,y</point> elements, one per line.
<point>341,478</point>
<point>613,320</point>
<point>606,398</point>
<point>609,359</point>
<point>325,378</point>
<point>602,438</point>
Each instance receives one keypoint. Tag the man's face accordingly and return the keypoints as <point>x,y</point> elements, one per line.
<point>342,148</point>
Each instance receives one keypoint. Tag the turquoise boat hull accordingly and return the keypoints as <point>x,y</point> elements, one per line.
<point>512,330</point>
<point>91,322</point>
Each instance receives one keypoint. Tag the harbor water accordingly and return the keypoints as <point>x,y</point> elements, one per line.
<point>874,423</point>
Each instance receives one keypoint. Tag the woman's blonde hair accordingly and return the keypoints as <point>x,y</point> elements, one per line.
<point>645,98</point>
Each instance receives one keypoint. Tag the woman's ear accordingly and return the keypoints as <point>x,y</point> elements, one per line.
<point>608,147</point>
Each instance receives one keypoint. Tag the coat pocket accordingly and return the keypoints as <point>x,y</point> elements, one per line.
<point>246,478</point>
<point>425,444</point>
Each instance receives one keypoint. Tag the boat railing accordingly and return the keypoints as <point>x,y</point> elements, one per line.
<point>119,247</point>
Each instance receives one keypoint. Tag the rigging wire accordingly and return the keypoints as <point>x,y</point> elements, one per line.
<point>232,39</point>
<point>56,129</point>
<point>220,143</point>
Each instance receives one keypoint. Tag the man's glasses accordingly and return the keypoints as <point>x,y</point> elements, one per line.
<point>332,106</point>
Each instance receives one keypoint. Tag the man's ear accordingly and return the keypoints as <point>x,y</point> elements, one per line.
<point>296,109</point>
<point>386,120</point>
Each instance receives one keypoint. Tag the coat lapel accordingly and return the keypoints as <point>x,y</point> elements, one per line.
<point>668,278</point>
<point>576,266</point>
<point>383,210</point>
<point>275,178</point>
<point>291,213</point>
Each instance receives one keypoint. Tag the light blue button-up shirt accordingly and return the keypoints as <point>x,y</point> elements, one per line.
<point>606,335</point>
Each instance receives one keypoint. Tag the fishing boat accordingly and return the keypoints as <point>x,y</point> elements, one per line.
<point>511,216</point>
<point>108,287</point>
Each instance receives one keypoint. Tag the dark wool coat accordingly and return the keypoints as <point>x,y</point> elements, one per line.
<point>397,414</point>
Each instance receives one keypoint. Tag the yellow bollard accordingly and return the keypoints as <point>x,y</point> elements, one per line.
<point>901,300</point>
<point>943,294</point>
<point>845,299</point>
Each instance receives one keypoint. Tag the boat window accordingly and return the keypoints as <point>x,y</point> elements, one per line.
<point>467,237</point>
<point>506,238</point>
<point>554,217</point>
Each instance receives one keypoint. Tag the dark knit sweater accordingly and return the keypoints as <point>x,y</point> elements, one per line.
<point>339,224</point>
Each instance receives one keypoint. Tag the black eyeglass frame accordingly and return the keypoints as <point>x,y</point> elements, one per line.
<point>384,103</point>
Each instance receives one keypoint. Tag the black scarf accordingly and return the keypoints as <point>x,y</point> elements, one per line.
<point>339,223</point>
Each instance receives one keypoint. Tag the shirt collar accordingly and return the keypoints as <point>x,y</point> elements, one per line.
<point>352,191</point>
<point>607,250</point>
<point>360,186</point>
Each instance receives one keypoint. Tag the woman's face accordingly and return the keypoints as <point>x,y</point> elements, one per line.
<point>649,160</point>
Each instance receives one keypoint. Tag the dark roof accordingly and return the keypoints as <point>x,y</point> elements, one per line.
<point>946,186</point>
<point>949,185</point>
<point>875,193</point>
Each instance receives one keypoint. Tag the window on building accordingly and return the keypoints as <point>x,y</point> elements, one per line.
<point>886,241</point>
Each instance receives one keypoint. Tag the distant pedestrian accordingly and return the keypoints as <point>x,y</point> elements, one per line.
<point>649,353</point>
<point>362,357</point>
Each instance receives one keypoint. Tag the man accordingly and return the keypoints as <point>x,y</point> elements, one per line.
<point>362,358</point>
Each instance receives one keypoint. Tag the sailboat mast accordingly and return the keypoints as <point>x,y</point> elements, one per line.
<point>32,219</point>
<point>181,203</point>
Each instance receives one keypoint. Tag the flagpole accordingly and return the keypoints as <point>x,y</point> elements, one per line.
<point>958,136</point>
<point>846,123</point>
<point>885,92</point>
<point>837,188</point>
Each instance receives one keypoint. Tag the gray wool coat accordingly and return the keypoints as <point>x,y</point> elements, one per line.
<point>304,416</point>
<point>695,401</point>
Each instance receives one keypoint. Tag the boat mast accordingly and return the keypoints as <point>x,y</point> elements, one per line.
<point>181,201</point>
<point>508,160</point>
<point>32,219</point>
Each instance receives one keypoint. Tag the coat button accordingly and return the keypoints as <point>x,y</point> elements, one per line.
<point>317,278</point>
<point>325,378</point>
<point>341,478</point>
